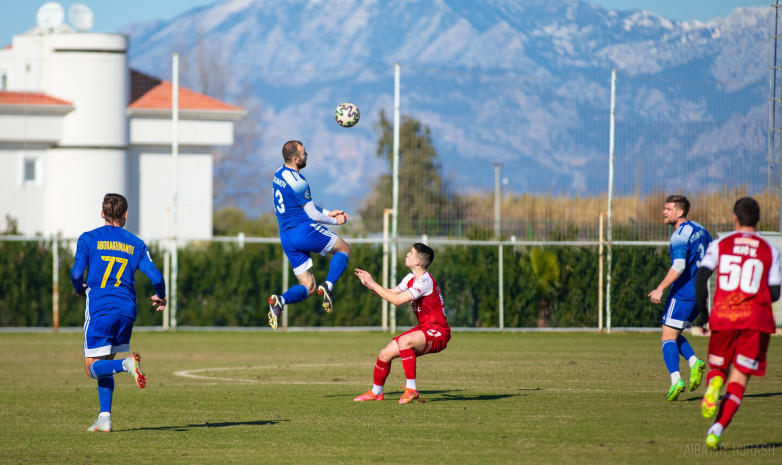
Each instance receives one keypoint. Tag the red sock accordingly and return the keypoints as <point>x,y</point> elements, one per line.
<point>730,403</point>
<point>408,362</point>
<point>381,372</point>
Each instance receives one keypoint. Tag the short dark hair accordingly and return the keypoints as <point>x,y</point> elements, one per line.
<point>747,211</point>
<point>424,253</point>
<point>114,207</point>
<point>290,149</point>
<point>681,202</point>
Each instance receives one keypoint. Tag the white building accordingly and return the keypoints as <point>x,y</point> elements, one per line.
<point>76,123</point>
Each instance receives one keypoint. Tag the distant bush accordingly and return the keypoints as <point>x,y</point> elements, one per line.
<point>224,285</point>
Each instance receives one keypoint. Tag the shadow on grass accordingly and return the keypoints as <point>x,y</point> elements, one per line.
<point>447,395</point>
<point>764,394</point>
<point>207,425</point>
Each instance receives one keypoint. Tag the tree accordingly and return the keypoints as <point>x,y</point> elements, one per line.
<point>206,68</point>
<point>426,206</point>
<point>544,267</point>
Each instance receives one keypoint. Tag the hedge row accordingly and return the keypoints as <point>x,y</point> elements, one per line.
<point>224,285</point>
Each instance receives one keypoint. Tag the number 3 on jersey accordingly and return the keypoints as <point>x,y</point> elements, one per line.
<point>280,206</point>
<point>734,274</point>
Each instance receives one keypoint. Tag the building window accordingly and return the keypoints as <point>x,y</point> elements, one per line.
<point>3,80</point>
<point>29,170</point>
<point>32,170</point>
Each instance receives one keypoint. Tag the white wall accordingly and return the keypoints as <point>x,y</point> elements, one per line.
<point>23,201</point>
<point>97,83</point>
<point>156,187</point>
<point>19,127</point>
<point>76,181</point>
<point>157,131</point>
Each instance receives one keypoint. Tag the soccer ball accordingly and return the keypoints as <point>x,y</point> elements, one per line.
<point>347,115</point>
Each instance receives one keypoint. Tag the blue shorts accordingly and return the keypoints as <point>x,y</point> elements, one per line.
<point>107,334</point>
<point>298,242</point>
<point>680,314</point>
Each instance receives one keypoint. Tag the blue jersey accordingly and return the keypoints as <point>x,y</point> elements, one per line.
<point>291,193</point>
<point>112,255</point>
<point>689,243</point>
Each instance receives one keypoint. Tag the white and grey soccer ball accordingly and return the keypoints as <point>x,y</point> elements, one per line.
<point>347,115</point>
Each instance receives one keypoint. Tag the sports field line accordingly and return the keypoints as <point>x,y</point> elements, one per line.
<point>193,373</point>
<point>196,374</point>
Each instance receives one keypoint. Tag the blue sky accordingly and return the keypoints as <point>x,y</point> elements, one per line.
<point>19,15</point>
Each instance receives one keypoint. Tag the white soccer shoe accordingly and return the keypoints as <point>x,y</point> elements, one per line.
<point>101,425</point>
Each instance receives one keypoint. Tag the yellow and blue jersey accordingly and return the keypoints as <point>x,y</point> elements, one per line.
<point>111,255</point>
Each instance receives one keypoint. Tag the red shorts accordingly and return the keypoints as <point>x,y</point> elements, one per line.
<point>436,336</point>
<point>745,349</point>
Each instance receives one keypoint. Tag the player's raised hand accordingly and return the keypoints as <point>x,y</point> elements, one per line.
<point>365,277</point>
<point>160,302</point>
<point>340,215</point>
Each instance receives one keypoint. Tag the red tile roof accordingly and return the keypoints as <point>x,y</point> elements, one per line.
<point>148,92</point>
<point>30,98</point>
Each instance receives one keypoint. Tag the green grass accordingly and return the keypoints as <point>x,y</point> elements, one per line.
<point>287,398</point>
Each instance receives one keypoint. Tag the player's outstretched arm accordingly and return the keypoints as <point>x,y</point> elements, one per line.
<point>393,296</point>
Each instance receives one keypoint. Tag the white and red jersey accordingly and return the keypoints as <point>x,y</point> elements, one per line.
<point>427,299</point>
<point>746,265</point>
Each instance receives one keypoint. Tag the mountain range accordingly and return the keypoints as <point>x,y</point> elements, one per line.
<point>522,82</point>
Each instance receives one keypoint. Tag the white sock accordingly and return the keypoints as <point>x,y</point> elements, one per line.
<point>716,429</point>
<point>675,377</point>
<point>329,286</point>
<point>410,384</point>
<point>377,390</point>
<point>693,360</point>
<point>105,416</point>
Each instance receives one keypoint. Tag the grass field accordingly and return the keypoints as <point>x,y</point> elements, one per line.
<point>286,398</point>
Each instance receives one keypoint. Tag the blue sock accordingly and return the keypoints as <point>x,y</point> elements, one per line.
<point>684,347</point>
<point>337,266</point>
<point>671,355</point>
<point>103,368</point>
<point>295,294</point>
<point>105,392</point>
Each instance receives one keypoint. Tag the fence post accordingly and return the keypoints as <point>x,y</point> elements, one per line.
<point>55,284</point>
<point>167,279</point>
<point>285,277</point>
<point>384,302</point>
<point>600,275</point>
<point>610,198</point>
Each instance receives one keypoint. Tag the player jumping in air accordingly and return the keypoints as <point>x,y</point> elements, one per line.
<point>688,244</point>
<point>301,233</point>
<point>432,333</point>
<point>741,320</point>
<point>111,256</point>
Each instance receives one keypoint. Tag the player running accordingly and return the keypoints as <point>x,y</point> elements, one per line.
<point>430,336</point>
<point>111,256</point>
<point>688,244</point>
<point>741,320</point>
<point>300,233</point>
